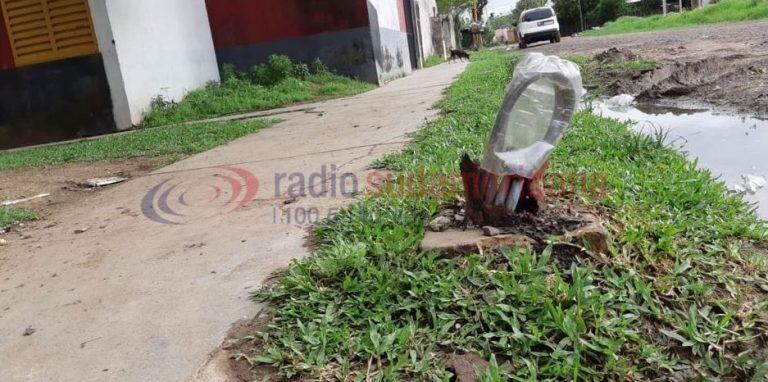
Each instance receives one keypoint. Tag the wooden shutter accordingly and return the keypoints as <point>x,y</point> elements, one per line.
<point>48,30</point>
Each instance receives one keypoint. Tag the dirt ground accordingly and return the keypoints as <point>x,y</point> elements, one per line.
<point>723,65</point>
<point>64,182</point>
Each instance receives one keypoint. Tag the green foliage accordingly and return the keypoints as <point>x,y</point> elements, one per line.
<point>301,71</point>
<point>608,10</point>
<point>461,5</point>
<point>13,215</point>
<point>276,83</point>
<point>433,60</point>
<point>523,5</point>
<point>276,70</point>
<point>677,299</point>
<point>724,11</point>
<point>318,67</point>
<point>172,141</point>
<point>502,21</point>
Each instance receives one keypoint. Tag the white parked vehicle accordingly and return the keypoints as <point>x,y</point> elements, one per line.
<point>538,24</point>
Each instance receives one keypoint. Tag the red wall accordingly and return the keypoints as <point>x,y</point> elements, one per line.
<point>401,13</point>
<point>6,56</point>
<point>248,22</point>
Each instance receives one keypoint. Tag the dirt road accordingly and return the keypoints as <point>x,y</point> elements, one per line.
<point>725,65</point>
<point>141,281</point>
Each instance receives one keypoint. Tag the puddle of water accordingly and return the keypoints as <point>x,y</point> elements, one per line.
<point>729,145</point>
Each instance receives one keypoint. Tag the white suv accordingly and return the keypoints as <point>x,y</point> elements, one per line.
<point>538,24</point>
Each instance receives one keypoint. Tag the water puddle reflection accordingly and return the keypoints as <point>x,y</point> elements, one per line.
<point>731,146</point>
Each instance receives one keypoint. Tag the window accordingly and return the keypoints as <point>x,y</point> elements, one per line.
<point>48,30</point>
<point>537,14</point>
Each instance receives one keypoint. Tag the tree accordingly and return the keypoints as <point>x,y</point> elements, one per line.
<point>501,21</point>
<point>607,10</point>
<point>459,6</point>
<point>523,5</point>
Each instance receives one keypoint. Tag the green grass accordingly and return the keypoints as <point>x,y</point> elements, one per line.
<point>236,95</point>
<point>174,140</point>
<point>433,60</point>
<point>678,296</point>
<point>13,215</point>
<point>725,11</point>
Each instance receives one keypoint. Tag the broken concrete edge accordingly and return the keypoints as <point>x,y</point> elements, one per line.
<point>592,238</point>
<point>220,364</point>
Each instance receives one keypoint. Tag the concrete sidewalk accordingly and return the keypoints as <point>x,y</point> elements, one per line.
<point>161,266</point>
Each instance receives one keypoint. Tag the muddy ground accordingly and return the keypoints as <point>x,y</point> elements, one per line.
<point>724,66</point>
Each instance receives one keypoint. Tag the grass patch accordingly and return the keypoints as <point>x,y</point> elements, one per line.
<point>267,86</point>
<point>433,60</point>
<point>174,140</point>
<point>12,215</point>
<point>678,299</point>
<point>724,11</point>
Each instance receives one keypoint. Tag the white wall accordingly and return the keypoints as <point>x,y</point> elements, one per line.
<point>103,29</point>
<point>387,13</point>
<point>161,47</point>
<point>427,9</point>
<point>390,42</point>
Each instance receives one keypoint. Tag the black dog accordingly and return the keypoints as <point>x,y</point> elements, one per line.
<point>459,55</point>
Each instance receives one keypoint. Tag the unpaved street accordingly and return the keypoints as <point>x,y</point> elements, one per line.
<point>142,281</point>
<point>725,65</point>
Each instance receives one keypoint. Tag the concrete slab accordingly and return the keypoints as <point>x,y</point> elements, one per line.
<point>168,262</point>
<point>457,242</point>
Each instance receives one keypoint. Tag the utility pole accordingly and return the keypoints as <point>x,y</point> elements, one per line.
<point>581,17</point>
<point>477,37</point>
<point>664,6</point>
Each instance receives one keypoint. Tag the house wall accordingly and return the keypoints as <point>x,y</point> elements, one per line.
<point>6,56</point>
<point>426,9</point>
<point>51,101</point>
<point>390,40</point>
<point>247,32</point>
<point>158,48</point>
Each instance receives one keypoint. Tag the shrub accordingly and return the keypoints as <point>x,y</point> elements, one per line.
<point>277,69</point>
<point>318,67</point>
<point>301,71</point>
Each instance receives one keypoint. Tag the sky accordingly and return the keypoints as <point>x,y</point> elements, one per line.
<point>499,6</point>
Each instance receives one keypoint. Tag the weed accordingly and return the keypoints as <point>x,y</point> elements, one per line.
<point>679,300</point>
<point>318,67</point>
<point>12,215</point>
<point>276,83</point>
<point>433,60</point>
<point>724,11</point>
<point>174,140</point>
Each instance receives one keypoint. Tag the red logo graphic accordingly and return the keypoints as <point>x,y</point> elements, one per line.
<point>175,204</point>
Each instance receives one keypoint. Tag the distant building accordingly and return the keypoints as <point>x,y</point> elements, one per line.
<point>505,35</point>
<point>75,68</point>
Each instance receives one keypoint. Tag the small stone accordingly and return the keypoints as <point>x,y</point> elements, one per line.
<point>467,367</point>
<point>81,230</point>
<point>459,218</point>
<point>3,242</point>
<point>491,231</point>
<point>29,331</point>
<point>440,224</point>
<point>594,237</point>
<point>447,213</point>
<point>461,202</point>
